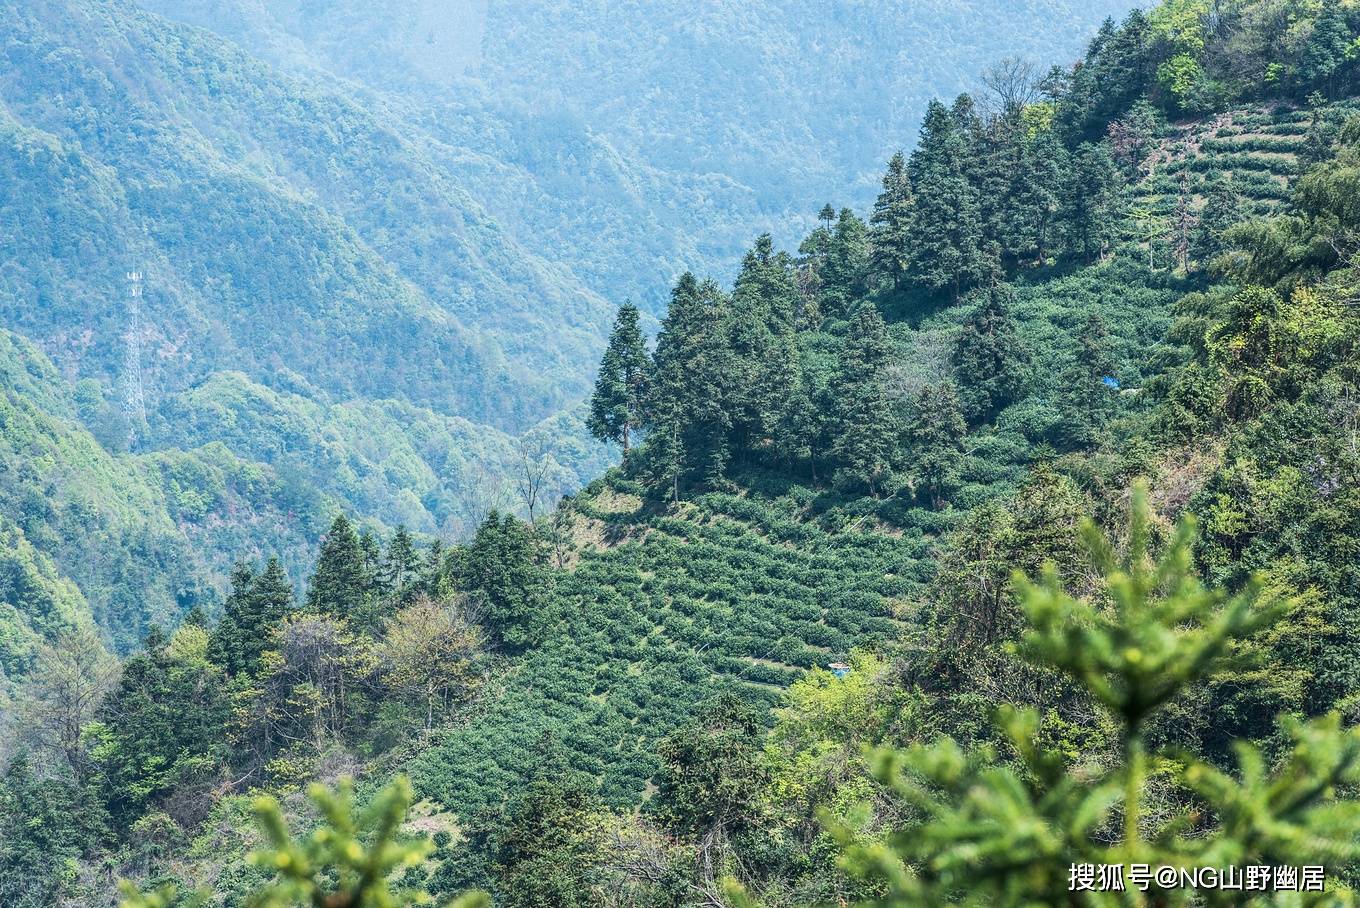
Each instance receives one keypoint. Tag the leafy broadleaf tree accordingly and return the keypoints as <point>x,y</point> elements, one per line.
<point>1007,834</point>
<point>348,861</point>
<point>710,784</point>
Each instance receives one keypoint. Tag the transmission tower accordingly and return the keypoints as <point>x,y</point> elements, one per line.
<point>134,399</point>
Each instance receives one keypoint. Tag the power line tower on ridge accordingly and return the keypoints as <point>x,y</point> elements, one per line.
<point>134,397</point>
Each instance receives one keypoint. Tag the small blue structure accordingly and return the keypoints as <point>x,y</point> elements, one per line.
<point>1110,381</point>
<point>839,669</point>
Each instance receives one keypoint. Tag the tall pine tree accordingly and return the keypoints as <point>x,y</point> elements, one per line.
<point>1086,401</point>
<point>935,435</point>
<point>947,240</point>
<point>686,414</point>
<point>502,567</point>
<point>258,602</point>
<point>988,357</point>
<point>846,266</point>
<point>620,389</point>
<point>1092,204</point>
<point>343,584</point>
<point>890,232</point>
<point>762,360</point>
<point>866,425</point>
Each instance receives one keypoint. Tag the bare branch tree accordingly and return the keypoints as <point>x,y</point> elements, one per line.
<point>927,362</point>
<point>485,490</point>
<point>535,460</point>
<point>1011,84</point>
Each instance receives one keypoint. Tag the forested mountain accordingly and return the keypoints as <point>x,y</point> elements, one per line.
<point>1001,531</point>
<point>637,140</point>
<point>284,229</point>
<point>378,261</point>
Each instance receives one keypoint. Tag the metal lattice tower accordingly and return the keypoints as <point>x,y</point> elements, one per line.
<point>134,398</point>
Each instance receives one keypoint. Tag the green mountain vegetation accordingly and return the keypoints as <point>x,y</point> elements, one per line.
<point>639,140</point>
<point>338,253</point>
<point>1003,532</point>
<point>385,290</point>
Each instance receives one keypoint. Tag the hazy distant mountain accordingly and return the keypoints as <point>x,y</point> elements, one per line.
<point>622,133</point>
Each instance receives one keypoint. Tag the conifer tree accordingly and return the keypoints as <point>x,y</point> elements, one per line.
<point>935,434</point>
<point>793,426</point>
<point>620,389</point>
<point>867,428</point>
<point>946,238</point>
<point>1087,401</point>
<point>160,729</point>
<point>251,618</point>
<point>374,577</point>
<point>400,562</point>
<point>258,602</point>
<point>1092,204</point>
<point>994,164</point>
<point>226,640</point>
<point>1019,833</point>
<point>766,282</point>
<point>1031,217</point>
<point>988,357</point>
<point>846,267</point>
<point>761,358</point>
<point>890,232</point>
<point>342,583</point>
<point>686,410</point>
<point>502,568</point>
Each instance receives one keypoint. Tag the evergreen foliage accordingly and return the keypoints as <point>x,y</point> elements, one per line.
<point>502,568</point>
<point>946,237</point>
<point>891,224</point>
<point>988,359</point>
<point>621,389</point>
<point>344,583</point>
<point>257,604</point>
<point>1074,285</point>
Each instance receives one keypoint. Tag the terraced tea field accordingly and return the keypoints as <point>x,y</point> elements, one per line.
<point>665,611</point>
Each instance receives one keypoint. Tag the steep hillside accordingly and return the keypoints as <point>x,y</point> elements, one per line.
<point>395,463</point>
<point>659,612</point>
<point>283,228</point>
<point>105,520</point>
<point>234,470</point>
<point>1052,457</point>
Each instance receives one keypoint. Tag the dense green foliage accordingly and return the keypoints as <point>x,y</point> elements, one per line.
<point>903,453</point>
<point>635,141</point>
<point>373,275</point>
